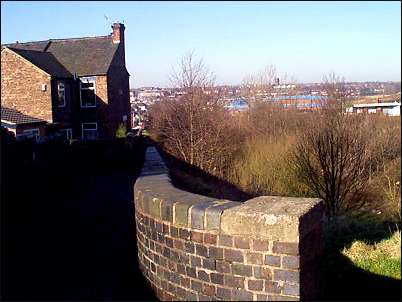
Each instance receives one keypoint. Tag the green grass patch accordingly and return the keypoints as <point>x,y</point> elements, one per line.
<point>382,258</point>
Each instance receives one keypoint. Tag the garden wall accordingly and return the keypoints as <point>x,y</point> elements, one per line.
<point>192,247</point>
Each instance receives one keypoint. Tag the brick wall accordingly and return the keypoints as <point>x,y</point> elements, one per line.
<point>192,247</point>
<point>119,94</point>
<point>21,87</point>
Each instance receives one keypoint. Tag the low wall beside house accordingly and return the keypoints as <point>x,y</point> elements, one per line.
<point>193,247</point>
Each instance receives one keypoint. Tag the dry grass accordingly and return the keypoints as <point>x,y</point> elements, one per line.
<point>263,167</point>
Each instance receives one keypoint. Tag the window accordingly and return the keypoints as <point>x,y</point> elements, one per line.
<point>87,92</point>
<point>89,131</point>
<point>29,133</point>
<point>68,134</point>
<point>61,94</point>
<point>372,110</point>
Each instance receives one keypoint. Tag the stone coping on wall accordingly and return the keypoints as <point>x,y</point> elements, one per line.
<point>269,243</point>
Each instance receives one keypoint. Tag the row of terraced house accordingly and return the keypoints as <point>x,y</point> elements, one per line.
<point>76,87</point>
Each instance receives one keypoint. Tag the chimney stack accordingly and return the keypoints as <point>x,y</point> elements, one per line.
<point>118,33</point>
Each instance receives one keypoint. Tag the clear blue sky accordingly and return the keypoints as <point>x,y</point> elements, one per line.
<point>358,40</point>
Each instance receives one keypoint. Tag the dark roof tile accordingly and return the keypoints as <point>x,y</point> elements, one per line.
<point>17,117</point>
<point>45,61</point>
<point>83,56</point>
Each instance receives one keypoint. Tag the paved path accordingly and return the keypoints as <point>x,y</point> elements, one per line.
<point>76,243</point>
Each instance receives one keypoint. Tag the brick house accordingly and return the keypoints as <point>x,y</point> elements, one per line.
<point>22,125</point>
<point>80,86</point>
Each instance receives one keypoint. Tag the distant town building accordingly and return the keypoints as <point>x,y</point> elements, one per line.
<point>390,108</point>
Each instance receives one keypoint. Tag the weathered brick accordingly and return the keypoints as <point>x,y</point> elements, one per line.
<point>164,284</point>
<point>201,250</point>
<point>189,247</point>
<point>174,232</point>
<point>181,210</point>
<point>166,252</point>
<point>242,295</point>
<point>165,229</point>
<point>169,242</point>
<point>175,255</point>
<point>203,275</point>
<point>196,285</point>
<point>208,289</point>
<point>225,240</point>
<point>190,296</point>
<point>191,272</point>
<point>242,243</point>
<point>181,292</point>
<point>210,238</point>
<point>233,255</point>
<point>272,287</point>
<point>184,234</point>
<point>290,248</point>
<point>184,258</point>
<point>217,278</point>
<point>172,288</point>
<point>161,238</point>
<point>291,289</point>
<point>213,213</point>
<point>224,293</point>
<point>167,210</point>
<point>260,245</point>
<point>185,281</point>
<point>175,277</point>
<point>195,261</point>
<point>291,262</point>
<point>203,297</point>
<point>256,285</point>
<point>234,281</point>
<point>172,266</point>
<point>262,273</point>
<point>197,237</point>
<point>216,252</point>
<point>273,260</point>
<point>163,261</point>
<point>208,264</point>
<point>178,244</point>
<point>285,275</point>
<point>181,269</point>
<point>197,215</point>
<point>223,266</point>
<point>159,227</point>
<point>254,258</point>
<point>262,297</point>
<point>241,269</point>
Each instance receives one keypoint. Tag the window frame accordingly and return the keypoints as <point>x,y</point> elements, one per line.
<point>90,80</point>
<point>28,132</point>
<point>69,132</point>
<point>64,94</point>
<point>82,129</point>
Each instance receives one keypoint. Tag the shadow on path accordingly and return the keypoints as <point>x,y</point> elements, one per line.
<point>68,233</point>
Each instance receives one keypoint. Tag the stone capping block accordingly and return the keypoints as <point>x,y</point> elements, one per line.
<point>272,218</point>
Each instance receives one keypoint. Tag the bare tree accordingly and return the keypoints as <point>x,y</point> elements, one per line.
<point>335,87</point>
<point>332,157</point>
<point>191,74</point>
<point>194,126</point>
<point>256,87</point>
